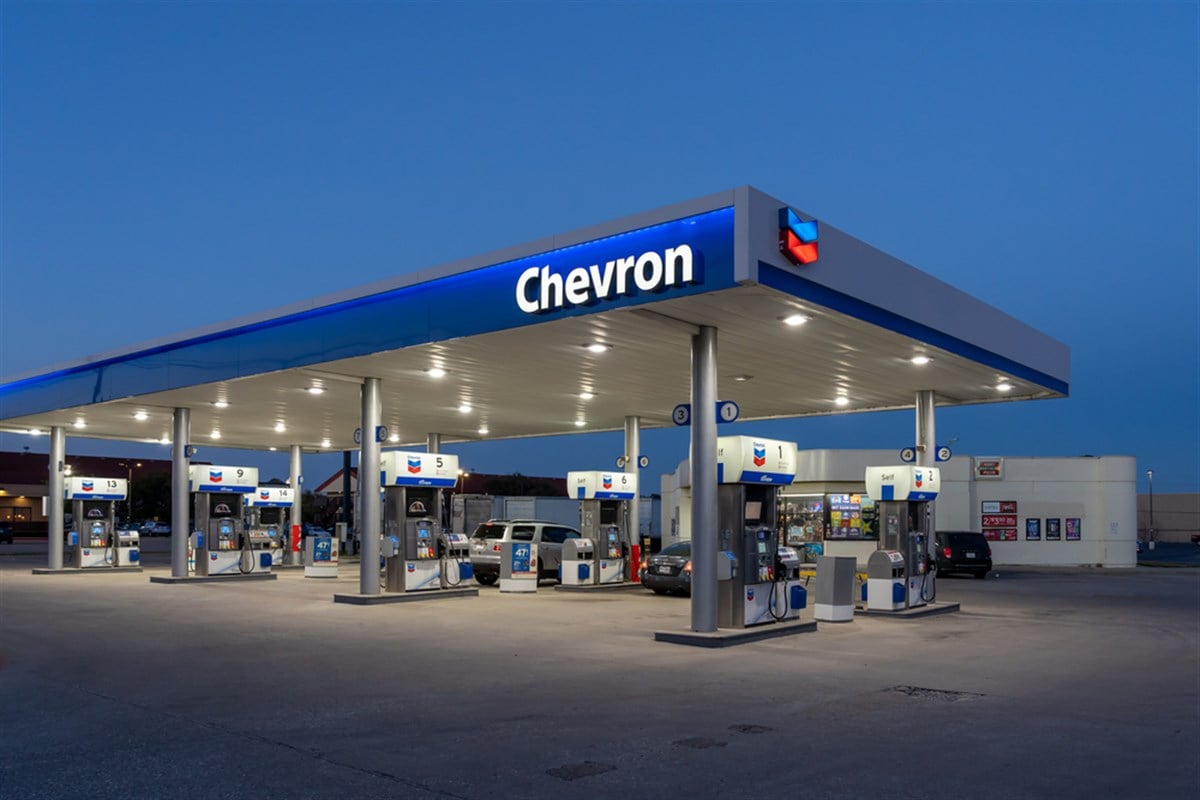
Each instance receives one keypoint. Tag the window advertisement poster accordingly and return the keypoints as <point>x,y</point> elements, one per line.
<point>1074,529</point>
<point>998,520</point>
<point>845,516</point>
<point>1053,529</point>
<point>1033,530</point>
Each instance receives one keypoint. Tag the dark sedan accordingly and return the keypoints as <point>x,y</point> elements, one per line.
<point>669,570</point>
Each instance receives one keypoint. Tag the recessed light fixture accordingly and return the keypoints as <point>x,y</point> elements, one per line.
<point>80,423</point>
<point>597,347</point>
<point>141,416</point>
<point>165,440</point>
<point>314,389</point>
<point>742,378</point>
<point>793,320</point>
<point>464,408</point>
<point>920,361</point>
<point>483,430</point>
<point>280,427</point>
<point>325,443</point>
<point>34,432</point>
<point>579,423</point>
<point>586,395</point>
<point>221,403</point>
<point>1004,386</point>
<point>436,372</point>
<point>395,437</point>
<point>842,400</point>
<point>215,435</point>
<point>272,449</point>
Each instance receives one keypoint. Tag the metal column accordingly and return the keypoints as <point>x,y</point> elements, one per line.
<point>704,480</point>
<point>181,434</point>
<point>433,443</point>
<point>347,490</point>
<point>927,451</point>
<point>633,451</point>
<point>57,497</point>
<point>368,488</point>
<point>296,481</point>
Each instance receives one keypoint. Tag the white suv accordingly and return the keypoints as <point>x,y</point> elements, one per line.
<point>487,538</point>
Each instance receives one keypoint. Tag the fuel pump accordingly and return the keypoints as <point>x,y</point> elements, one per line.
<point>218,502</point>
<point>604,520</point>
<point>901,574</point>
<point>267,518</point>
<point>750,472</point>
<point>93,536</point>
<point>454,550</point>
<point>412,510</point>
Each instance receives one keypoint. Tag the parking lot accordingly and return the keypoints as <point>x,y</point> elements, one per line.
<point>1063,683</point>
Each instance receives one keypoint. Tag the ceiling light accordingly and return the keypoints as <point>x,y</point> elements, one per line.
<point>579,423</point>
<point>742,378</point>
<point>80,423</point>
<point>920,361</point>
<point>272,449</point>
<point>141,416</point>
<point>165,440</point>
<point>314,389</point>
<point>34,432</point>
<point>464,408</point>
<point>216,434</point>
<point>842,400</point>
<point>395,437</point>
<point>586,395</point>
<point>794,319</point>
<point>436,372</point>
<point>280,427</point>
<point>597,347</point>
<point>221,403</point>
<point>483,430</point>
<point>1004,386</point>
<point>325,443</point>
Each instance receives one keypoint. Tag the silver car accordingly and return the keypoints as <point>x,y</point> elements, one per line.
<point>487,538</point>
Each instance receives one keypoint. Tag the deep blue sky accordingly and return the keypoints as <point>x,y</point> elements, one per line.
<point>171,165</point>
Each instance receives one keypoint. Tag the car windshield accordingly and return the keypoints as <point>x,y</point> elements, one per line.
<point>488,532</point>
<point>677,549</point>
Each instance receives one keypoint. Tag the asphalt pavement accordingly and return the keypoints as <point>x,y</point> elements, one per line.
<point>1075,683</point>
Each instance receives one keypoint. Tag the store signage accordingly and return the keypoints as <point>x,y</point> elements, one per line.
<point>998,520</point>
<point>541,288</point>
<point>797,239</point>
<point>989,469</point>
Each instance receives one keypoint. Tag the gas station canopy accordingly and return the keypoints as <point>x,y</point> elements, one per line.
<point>569,334</point>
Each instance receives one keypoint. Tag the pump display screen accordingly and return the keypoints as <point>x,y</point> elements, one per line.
<point>753,509</point>
<point>270,516</point>
<point>762,546</point>
<point>224,506</point>
<point>96,509</point>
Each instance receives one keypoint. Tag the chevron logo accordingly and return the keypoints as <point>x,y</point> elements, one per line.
<point>759,454</point>
<point>414,465</point>
<point>797,239</point>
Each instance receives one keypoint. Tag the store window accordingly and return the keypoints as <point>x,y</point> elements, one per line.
<point>809,519</point>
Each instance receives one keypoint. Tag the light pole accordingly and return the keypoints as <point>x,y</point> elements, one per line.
<point>1150,532</point>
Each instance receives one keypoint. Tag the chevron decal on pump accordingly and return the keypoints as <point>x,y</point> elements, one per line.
<point>414,464</point>
<point>760,454</point>
<point>214,475</point>
<point>606,481</point>
<point>87,486</point>
<point>797,238</point>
